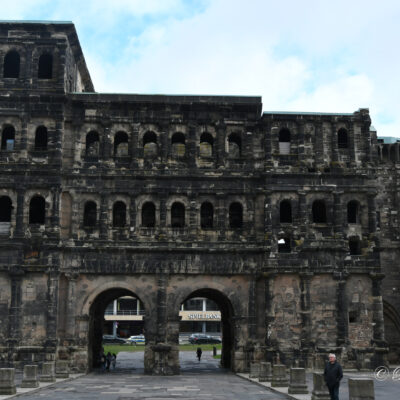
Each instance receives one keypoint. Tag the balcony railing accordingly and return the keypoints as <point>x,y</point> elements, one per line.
<point>125,312</point>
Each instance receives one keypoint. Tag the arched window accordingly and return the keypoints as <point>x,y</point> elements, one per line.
<point>352,212</point>
<point>150,144</point>
<point>41,138</point>
<point>206,145</point>
<point>119,214</point>
<point>45,68</point>
<point>90,214</point>
<point>121,144</point>
<point>178,215</point>
<point>92,144</point>
<point>8,138</point>
<point>5,209</point>
<point>206,215</point>
<point>285,211</point>
<point>284,141</point>
<point>235,145</point>
<point>319,211</point>
<point>178,144</point>
<point>235,216</point>
<point>148,215</point>
<point>11,65</point>
<point>37,208</point>
<point>354,246</point>
<point>342,138</point>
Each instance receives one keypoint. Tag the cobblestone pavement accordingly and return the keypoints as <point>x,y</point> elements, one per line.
<point>198,380</point>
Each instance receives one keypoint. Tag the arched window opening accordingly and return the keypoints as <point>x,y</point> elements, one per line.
<point>354,246</point>
<point>319,212</point>
<point>5,209</point>
<point>285,212</point>
<point>177,215</point>
<point>37,208</point>
<point>284,245</point>
<point>178,144</point>
<point>45,70</point>
<point>92,144</point>
<point>206,215</point>
<point>8,138</point>
<point>284,141</point>
<point>90,214</point>
<point>11,65</point>
<point>235,216</point>
<point>206,145</point>
<point>393,153</point>
<point>342,138</point>
<point>150,144</point>
<point>235,145</point>
<point>119,214</point>
<point>121,144</point>
<point>41,138</point>
<point>149,215</point>
<point>352,212</point>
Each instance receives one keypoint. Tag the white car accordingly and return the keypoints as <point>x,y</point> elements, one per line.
<point>136,339</point>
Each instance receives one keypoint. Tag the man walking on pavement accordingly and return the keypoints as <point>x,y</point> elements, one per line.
<point>333,374</point>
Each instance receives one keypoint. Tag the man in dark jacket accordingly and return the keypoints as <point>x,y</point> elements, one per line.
<point>333,374</point>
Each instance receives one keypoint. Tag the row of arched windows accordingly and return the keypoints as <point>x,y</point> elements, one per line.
<point>148,213</point>
<point>319,214</point>
<point>8,138</point>
<point>12,61</point>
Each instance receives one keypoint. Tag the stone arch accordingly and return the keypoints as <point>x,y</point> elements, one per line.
<point>392,331</point>
<point>229,306</point>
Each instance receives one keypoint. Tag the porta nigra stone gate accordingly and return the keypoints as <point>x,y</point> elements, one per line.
<point>288,221</point>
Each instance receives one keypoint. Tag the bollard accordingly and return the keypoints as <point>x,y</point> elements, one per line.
<point>254,370</point>
<point>7,384</point>
<point>320,390</point>
<point>297,381</point>
<point>279,378</point>
<point>62,369</point>
<point>30,377</point>
<point>48,374</point>
<point>361,389</point>
<point>265,372</point>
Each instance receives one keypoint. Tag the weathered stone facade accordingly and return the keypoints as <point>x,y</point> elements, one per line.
<point>289,221</point>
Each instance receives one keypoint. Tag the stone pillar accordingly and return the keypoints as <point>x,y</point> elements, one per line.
<point>265,372</point>
<point>305,301</point>
<point>14,313</point>
<point>303,212</point>
<point>132,217</point>
<point>191,145</point>
<point>254,370</point>
<point>334,144</point>
<point>361,389</point>
<point>62,370</point>
<point>70,326</point>
<point>252,320</point>
<point>103,217</point>
<point>134,145</point>
<point>319,144</point>
<point>320,390</point>
<point>48,372</point>
<point>7,384</point>
<point>19,219</point>
<point>297,381</point>
<point>301,140</point>
<point>342,321</point>
<point>52,308</point>
<point>279,377</point>
<point>30,377</point>
<point>338,213</point>
<point>55,219</point>
<point>351,144</point>
<point>219,146</point>
<point>371,213</point>
<point>268,147</point>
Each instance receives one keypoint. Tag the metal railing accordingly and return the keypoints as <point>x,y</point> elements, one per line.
<point>125,312</point>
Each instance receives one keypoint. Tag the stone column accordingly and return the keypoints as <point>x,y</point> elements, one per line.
<point>55,218</point>
<point>352,145</point>
<point>62,370</point>
<point>319,144</point>
<point>52,308</point>
<point>320,390</point>
<point>305,301</point>
<point>252,321</point>
<point>134,145</point>
<point>297,381</point>
<point>334,144</point>
<point>267,147</point>
<point>133,226</point>
<point>361,389</point>
<point>265,372</point>
<point>191,144</point>
<point>371,213</point>
<point>219,146</point>
<point>14,330</point>
<point>338,213</point>
<point>30,377</point>
<point>72,278</point>
<point>222,215</point>
<point>19,218</point>
<point>48,372</point>
<point>303,213</point>
<point>342,310</point>
<point>301,140</point>
<point>103,217</point>
<point>163,211</point>
<point>279,377</point>
<point>7,383</point>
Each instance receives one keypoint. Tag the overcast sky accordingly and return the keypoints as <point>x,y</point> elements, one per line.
<point>308,55</point>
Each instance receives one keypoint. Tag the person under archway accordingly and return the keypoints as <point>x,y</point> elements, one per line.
<point>199,353</point>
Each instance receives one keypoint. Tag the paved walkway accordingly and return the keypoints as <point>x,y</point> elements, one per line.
<point>204,380</point>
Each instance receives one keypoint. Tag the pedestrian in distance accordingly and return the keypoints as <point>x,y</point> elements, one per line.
<point>199,353</point>
<point>108,361</point>
<point>333,374</point>
<point>102,360</point>
<point>113,360</point>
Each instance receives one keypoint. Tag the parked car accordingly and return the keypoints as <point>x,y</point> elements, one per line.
<point>136,339</point>
<point>200,338</point>
<point>113,339</point>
